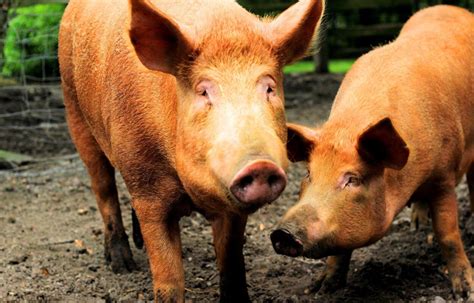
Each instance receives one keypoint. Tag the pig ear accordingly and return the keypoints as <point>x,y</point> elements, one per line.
<point>301,141</point>
<point>160,43</point>
<point>294,30</point>
<point>381,144</point>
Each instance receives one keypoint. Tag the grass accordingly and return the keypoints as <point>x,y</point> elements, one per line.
<point>6,81</point>
<point>338,66</point>
<point>13,157</point>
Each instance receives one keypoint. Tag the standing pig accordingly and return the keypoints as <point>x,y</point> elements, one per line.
<point>401,129</point>
<point>185,99</point>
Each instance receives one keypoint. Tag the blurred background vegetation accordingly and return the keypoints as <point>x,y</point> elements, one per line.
<point>30,43</point>
<point>29,28</point>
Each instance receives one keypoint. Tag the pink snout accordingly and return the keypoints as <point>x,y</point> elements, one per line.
<point>258,183</point>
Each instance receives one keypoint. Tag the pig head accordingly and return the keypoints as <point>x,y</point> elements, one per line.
<point>342,203</point>
<point>185,99</point>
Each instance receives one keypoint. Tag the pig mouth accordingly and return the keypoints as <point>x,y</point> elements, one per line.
<point>294,245</point>
<point>321,250</point>
<point>246,209</point>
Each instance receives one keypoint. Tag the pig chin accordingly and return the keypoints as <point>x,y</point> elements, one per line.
<point>323,249</point>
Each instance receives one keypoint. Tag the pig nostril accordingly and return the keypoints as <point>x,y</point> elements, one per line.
<point>285,243</point>
<point>258,183</point>
<point>277,245</point>
<point>246,181</point>
<point>273,179</point>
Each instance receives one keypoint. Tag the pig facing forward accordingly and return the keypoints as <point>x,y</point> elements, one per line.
<point>401,129</point>
<point>185,99</point>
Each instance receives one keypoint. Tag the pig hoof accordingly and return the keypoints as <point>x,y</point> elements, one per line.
<point>228,297</point>
<point>463,287</point>
<point>329,284</point>
<point>119,255</point>
<point>168,294</point>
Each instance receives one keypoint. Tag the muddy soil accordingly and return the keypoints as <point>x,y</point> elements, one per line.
<point>51,239</point>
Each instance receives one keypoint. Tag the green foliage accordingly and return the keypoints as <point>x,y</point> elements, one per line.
<point>338,66</point>
<point>31,41</point>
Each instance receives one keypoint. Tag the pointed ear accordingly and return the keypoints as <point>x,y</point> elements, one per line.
<point>295,29</point>
<point>160,43</point>
<point>381,144</point>
<point>301,141</point>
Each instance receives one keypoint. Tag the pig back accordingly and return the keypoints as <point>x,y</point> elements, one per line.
<point>423,81</point>
<point>442,40</point>
<point>131,110</point>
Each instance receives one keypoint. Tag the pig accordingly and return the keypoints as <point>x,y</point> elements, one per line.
<point>185,100</point>
<point>401,129</point>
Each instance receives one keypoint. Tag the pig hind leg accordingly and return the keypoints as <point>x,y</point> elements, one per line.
<point>470,183</point>
<point>444,210</point>
<point>420,215</point>
<point>116,247</point>
<point>334,276</point>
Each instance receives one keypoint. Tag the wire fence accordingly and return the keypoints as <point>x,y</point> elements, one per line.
<point>29,43</point>
<point>31,108</point>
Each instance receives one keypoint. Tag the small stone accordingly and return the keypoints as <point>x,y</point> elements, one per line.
<point>97,232</point>
<point>93,268</point>
<point>79,243</point>
<point>81,251</point>
<point>44,271</point>
<point>438,299</point>
<point>11,220</point>
<point>429,238</point>
<point>9,189</point>
<point>82,211</point>
<point>18,260</point>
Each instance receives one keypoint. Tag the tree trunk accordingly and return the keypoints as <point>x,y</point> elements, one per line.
<point>321,59</point>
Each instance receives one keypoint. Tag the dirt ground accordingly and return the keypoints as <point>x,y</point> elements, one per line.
<point>51,239</point>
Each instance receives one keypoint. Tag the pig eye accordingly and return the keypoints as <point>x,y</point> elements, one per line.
<point>270,91</point>
<point>205,89</point>
<point>353,181</point>
<point>267,86</point>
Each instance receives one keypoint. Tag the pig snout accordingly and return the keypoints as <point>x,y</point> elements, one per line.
<point>285,243</point>
<point>258,183</point>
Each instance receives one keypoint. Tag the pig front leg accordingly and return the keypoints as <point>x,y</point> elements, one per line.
<point>444,212</point>
<point>334,276</point>
<point>228,232</point>
<point>161,234</point>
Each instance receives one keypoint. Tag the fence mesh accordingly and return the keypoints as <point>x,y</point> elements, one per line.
<point>31,108</point>
<point>29,41</point>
